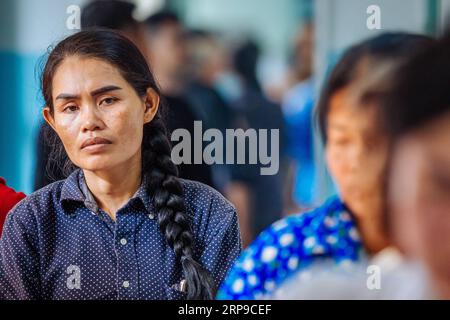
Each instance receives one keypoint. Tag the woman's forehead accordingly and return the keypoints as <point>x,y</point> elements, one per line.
<point>78,74</point>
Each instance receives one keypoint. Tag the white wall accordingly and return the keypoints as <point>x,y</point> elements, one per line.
<point>34,24</point>
<point>445,13</point>
<point>340,23</point>
<point>27,29</point>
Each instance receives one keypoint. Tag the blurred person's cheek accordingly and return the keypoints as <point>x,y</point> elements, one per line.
<point>403,199</point>
<point>419,197</point>
<point>434,196</point>
<point>173,47</point>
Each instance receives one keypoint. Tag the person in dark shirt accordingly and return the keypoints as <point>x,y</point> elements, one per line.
<point>166,54</point>
<point>123,225</point>
<point>206,63</point>
<point>255,111</point>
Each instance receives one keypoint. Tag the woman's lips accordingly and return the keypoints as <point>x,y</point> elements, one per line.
<point>95,143</point>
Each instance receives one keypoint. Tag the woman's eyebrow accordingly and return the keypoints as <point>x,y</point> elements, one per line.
<point>66,96</point>
<point>96,92</point>
<point>337,126</point>
<point>105,89</point>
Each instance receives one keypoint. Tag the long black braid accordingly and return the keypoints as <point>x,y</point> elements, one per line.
<point>160,172</point>
<point>168,200</point>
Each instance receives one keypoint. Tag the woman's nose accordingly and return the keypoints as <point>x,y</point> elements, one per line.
<point>91,119</point>
<point>355,158</point>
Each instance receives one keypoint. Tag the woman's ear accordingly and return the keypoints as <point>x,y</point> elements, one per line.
<point>151,105</point>
<point>48,117</point>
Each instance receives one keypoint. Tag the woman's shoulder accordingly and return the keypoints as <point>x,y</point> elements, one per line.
<point>307,234</point>
<point>198,194</point>
<point>283,248</point>
<point>206,205</point>
<point>304,223</point>
<point>38,202</point>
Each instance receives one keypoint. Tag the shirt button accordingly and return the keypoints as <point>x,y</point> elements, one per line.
<point>126,284</point>
<point>123,241</point>
<point>151,216</point>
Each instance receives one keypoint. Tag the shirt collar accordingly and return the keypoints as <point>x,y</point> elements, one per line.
<point>75,189</point>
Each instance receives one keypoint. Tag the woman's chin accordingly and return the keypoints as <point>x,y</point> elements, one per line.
<point>97,165</point>
<point>357,205</point>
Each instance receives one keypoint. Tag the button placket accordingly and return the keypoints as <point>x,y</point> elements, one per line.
<point>127,272</point>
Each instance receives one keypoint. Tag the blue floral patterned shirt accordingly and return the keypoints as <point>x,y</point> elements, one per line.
<point>290,245</point>
<point>58,244</point>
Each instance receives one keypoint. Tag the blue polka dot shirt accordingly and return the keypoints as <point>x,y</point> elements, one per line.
<point>58,244</point>
<point>291,245</point>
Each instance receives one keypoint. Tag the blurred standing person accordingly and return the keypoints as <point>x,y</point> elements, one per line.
<point>258,196</point>
<point>207,61</point>
<point>166,54</point>
<point>297,106</point>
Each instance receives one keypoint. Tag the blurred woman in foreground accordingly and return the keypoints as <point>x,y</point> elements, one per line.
<point>349,227</point>
<point>416,116</point>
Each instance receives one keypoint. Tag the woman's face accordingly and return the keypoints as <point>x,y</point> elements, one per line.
<point>356,153</point>
<point>419,197</point>
<point>97,114</point>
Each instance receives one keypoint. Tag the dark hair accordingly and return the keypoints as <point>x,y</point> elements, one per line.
<point>245,61</point>
<point>112,14</point>
<point>421,92</point>
<point>394,47</point>
<point>156,20</point>
<point>162,180</point>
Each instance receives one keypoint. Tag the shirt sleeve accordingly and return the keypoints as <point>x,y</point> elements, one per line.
<point>261,266</point>
<point>223,246</point>
<point>8,199</point>
<point>19,262</point>
<point>239,281</point>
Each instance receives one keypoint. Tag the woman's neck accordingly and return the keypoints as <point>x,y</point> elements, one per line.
<point>113,188</point>
<point>373,233</point>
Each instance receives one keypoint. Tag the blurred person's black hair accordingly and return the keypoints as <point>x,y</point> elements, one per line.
<point>245,62</point>
<point>386,47</point>
<point>158,19</point>
<point>111,14</point>
<point>421,91</point>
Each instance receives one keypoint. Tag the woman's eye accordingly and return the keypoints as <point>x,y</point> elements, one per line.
<point>340,141</point>
<point>108,101</point>
<point>71,108</point>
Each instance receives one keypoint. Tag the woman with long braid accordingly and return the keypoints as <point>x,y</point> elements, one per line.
<point>122,225</point>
